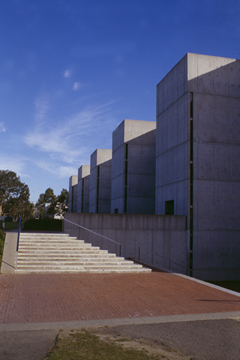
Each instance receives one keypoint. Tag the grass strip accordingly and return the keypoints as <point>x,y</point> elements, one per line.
<point>9,226</point>
<point>87,346</point>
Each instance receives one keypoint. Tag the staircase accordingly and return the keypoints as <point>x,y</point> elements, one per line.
<point>59,253</point>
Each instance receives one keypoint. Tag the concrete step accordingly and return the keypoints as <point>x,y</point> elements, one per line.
<point>60,253</point>
<point>69,256</point>
<point>53,241</point>
<point>96,271</point>
<point>58,248</point>
<point>44,234</point>
<point>80,267</point>
<point>61,263</point>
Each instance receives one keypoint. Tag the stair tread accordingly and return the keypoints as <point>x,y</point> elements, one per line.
<point>61,253</point>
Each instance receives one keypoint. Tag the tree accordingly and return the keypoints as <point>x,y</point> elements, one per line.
<point>51,205</point>
<point>49,196</point>
<point>62,203</point>
<point>45,202</point>
<point>14,196</point>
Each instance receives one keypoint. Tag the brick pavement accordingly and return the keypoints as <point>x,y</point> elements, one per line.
<point>36,298</point>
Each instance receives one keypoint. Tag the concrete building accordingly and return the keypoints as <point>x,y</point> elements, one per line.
<point>198,160</point>
<point>100,181</point>
<point>83,189</point>
<point>133,167</point>
<point>73,187</point>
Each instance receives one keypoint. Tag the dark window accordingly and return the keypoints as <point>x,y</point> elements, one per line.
<point>169,207</point>
<point>115,211</point>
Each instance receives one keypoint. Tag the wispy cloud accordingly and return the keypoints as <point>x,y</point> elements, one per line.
<point>60,170</point>
<point>41,109</point>
<point>72,140</point>
<point>13,163</point>
<point>76,86</point>
<point>67,73</point>
<point>2,127</point>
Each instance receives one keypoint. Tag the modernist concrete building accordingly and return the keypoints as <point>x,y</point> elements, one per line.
<point>73,190</point>
<point>198,160</point>
<point>83,189</point>
<point>100,181</point>
<point>133,167</point>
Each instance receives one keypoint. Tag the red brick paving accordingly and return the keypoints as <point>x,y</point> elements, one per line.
<point>32,298</point>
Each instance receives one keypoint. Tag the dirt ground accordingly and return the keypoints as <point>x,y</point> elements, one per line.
<point>195,340</point>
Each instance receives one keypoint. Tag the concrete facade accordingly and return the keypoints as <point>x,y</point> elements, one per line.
<point>83,189</point>
<point>155,240</point>
<point>100,181</point>
<point>133,167</point>
<point>197,160</point>
<point>73,187</point>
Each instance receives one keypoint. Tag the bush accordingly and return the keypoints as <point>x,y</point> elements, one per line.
<point>43,225</point>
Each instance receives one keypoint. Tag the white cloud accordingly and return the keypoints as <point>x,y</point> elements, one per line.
<point>41,109</point>
<point>2,127</point>
<point>60,170</point>
<point>13,163</point>
<point>67,73</point>
<point>76,86</point>
<point>73,140</point>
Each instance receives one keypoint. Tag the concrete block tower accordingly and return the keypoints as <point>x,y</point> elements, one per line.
<point>198,160</point>
<point>83,189</point>
<point>73,187</point>
<point>133,167</point>
<point>100,181</point>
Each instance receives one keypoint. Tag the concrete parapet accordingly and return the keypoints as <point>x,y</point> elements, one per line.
<point>159,241</point>
<point>9,253</point>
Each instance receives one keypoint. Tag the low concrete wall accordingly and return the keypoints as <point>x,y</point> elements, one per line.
<point>156,240</point>
<point>9,253</point>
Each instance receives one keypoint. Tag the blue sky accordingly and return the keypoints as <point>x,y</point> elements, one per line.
<point>72,70</point>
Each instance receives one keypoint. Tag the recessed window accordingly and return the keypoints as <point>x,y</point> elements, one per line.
<point>169,207</point>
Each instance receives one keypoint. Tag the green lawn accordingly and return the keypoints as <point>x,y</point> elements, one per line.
<point>9,226</point>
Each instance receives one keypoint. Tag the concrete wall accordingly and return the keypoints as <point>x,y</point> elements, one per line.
<point>133,167</point>
<point>83,189</point>
<point>198,143</point>
<point>72,201</point>
<point>160,241</point>
<point>172,141</point>
<point>9,253</point>
<point>100,181</point>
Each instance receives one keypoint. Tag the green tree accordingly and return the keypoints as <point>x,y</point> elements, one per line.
<point>14,196</point>
<point>61,206</point>
<point>49,204</point>
<point>45,203</point>
<point>49,196</point>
